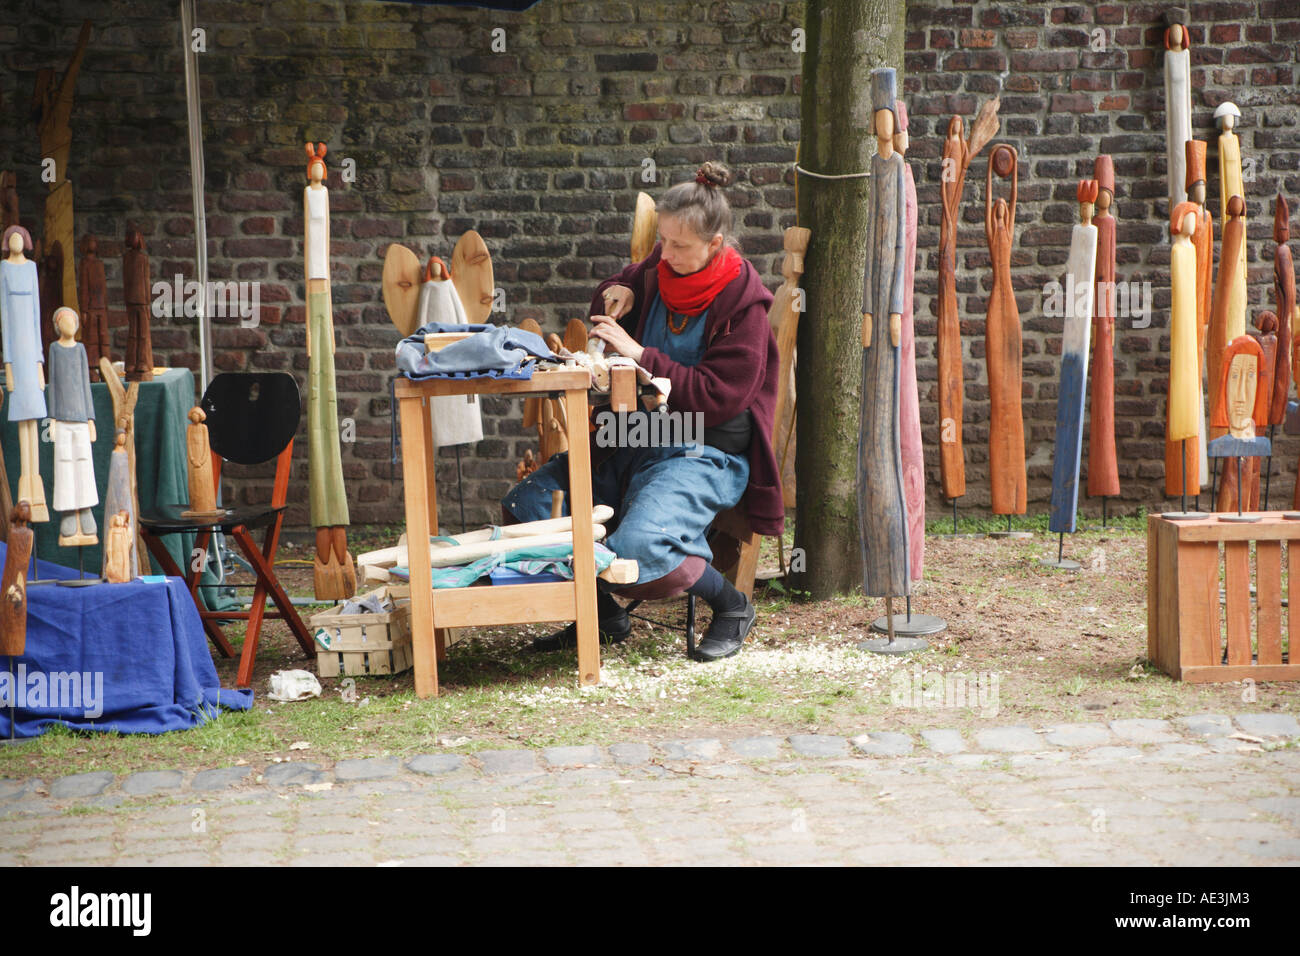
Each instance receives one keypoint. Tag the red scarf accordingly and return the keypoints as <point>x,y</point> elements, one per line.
<point>692,294</point>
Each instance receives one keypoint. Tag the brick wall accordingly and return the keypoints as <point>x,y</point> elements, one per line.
<point>541,147</point>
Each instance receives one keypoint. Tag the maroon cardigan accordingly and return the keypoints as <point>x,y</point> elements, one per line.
<point>739,371</point>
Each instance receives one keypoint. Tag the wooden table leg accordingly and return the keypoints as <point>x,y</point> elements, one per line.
<point>584,549</point>
<point>431,480</point>
<point>417,486</point>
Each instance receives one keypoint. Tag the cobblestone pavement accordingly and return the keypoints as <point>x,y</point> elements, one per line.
<point>1206,790</point>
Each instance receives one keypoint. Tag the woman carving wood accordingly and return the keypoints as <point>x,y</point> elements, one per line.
<point>1003,350</point>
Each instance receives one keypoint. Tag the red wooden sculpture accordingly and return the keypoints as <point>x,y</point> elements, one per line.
<point>1203,243</point>
<point>1103,469</point>
<point>1003,349</point>
<point>135,289</point>
<point>13,583</point>
<point>92,291</point>
<point>1223,323</point>
<point>1284,303</point>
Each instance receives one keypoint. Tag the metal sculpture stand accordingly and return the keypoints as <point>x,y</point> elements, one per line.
<point>902,631</point>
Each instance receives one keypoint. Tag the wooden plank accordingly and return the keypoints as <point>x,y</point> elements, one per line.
<point>584,548</point>
<point>1071,395</point>
<point>416,456</point>
<point>507,604</point>
<point>1228,674</point>
<point>1236,562</point>
<point>1268,601</point>
<point>1155,620</point>
<point>1293,601</point>
<point>1199,638</point>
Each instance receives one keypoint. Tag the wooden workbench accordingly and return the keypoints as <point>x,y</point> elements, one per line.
<point>481,606</point>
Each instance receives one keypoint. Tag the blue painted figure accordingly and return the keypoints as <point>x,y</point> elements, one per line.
<point>20,331</point>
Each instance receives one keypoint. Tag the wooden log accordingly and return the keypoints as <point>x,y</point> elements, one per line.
<point>400,284</point>
<point>13,583</point>
<point>1003,349</point>
<point>783,316</point>
<point>620,571</point>
<point>622,388</point>
<point>1080,279</point>
<point>1103,465</point>
<point>957,155</point>
<point>882,507</point>
<point>1178,104</point>
<point>1183,409</point>
<point>471,272</point>
<point>909,399</point>
<point>645,227</point>
<point>1203,242</point>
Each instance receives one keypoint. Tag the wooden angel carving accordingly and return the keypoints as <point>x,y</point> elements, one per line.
<point>1003,348</point>
<point>120,566</point>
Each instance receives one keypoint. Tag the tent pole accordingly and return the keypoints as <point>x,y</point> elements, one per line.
<point>197,179</point>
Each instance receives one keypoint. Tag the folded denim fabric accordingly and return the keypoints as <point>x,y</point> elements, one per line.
<point>494,348</point>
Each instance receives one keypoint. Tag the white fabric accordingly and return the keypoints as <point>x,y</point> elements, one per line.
<point>318,220</point>
<point>74,473</point>
<point>456,421</point>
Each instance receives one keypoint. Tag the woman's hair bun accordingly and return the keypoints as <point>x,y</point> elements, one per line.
<point>714,174</point>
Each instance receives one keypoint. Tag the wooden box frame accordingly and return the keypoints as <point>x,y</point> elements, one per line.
<point>366,644</point>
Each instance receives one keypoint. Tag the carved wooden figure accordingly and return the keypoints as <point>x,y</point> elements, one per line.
<point>1183,411</point>
<point>784,318</point>
<point>124,402</point>
<point>882,506</point>
<point>457,419</point>
<point>73,411</point>
<point>92,292</point>
<point>53,106</point>
<point>1080,277</point>
<point>198,456</point>
<point>401,287</point>
<point>1227,313</point>
<point>1003,350</point>
<point>50,269</point>
<point>118,500</point>
<point>13,583</point>
<point>957,156</point>
<point>1178,103</point>
<point>645,227</point>
<point>1103,467</point>
<point>1240,410</point>
<point>117,549</point>
<point>1203,243</point>
<point>909,399</point>
<point>8,204</point>
<point>471,274</point>
<point>20,325</point>
<point>1232,184</point>
<point>136,288</point>
<point>335,575</point>
<point>1285,306</point>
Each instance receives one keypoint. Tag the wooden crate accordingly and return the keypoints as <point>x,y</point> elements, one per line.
<point>1185,629</point>
<point>365,644</point>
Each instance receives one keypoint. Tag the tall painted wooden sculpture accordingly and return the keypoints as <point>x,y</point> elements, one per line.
<point>882,508</point>
<point>13,583</point>
<point>909,398</point>
<point>1080,275</point>
<point>92,291</point>
<point>1203,243</point>
<point>1231,184</point>
<point>136,289</point>
<point>1178,103</point>
<point>1282,270</point>
<point>784,319</point>
<point>20,326</point>
<point>1240,410</point>
<point>1227,324</point>
<point>1183,414</point>
<point>957,155</point>
<point>335,575</point>
<point>73,411</point>
<point>1103,467</point>
<point>1003,350</point>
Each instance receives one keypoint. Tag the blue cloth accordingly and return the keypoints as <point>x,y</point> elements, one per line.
<point>686,347</point>
<point>143,646</point>
<point>496,349</point>
<point>20,322</point>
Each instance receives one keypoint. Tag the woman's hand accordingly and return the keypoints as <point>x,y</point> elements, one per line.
<point>618,301</point>
<point>615,337</point>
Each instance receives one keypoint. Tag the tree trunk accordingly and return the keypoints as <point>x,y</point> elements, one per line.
<point>846,39</point>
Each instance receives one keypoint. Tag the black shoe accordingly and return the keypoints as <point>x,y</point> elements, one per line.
<point>725,637</point>
<point>613,629</point>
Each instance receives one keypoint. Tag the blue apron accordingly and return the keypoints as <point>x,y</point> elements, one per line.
<point>664,498</point>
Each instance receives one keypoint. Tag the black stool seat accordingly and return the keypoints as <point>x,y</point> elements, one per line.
<point>169,519</point>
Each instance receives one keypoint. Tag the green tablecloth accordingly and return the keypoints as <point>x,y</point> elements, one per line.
<point>161,473</point>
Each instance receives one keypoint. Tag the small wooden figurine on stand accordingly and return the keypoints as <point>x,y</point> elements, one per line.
<point>335,574</point>
<point>1240,408</point>
<point>120,560</point>
<point>1003,349</point>
<point>882,505</point>
<point>1183,413</point>
<point>136,290</point>
<point>92,291</point>
<point>13,584</point>
<point>957,156</point>
<point>1103,465</point>
<point>118,548</point>
<point>24,362</point>
<point>1080,275</point>
<point>198,454</point>
<point>73,411</point>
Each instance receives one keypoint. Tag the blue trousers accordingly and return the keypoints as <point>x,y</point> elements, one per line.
<point>664,500</point>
